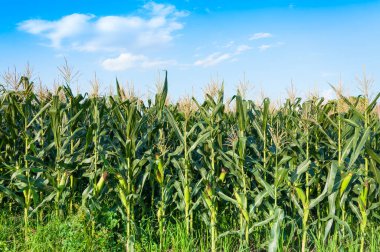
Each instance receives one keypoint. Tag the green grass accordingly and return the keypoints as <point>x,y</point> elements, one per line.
<point>74,234</point>
<point>70,234</point>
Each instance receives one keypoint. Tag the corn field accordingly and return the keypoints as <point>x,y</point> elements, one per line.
<point>290,174</point>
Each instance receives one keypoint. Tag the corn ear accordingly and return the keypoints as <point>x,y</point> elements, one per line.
<point>100,184</point>
<point>301,195</point>
<point>345,182</point>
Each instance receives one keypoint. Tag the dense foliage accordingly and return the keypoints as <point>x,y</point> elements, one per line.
<point>300,172</point>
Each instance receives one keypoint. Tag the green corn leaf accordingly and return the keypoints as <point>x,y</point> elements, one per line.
<point>302,168</point>
<point>227,198</point>
<point>359,147</point>
<point>174,124</point>
<point>39,114</point>
<point>330,183</point>
<point>275,232</point>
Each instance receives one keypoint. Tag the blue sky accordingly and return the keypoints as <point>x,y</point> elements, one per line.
<point>268,43</point>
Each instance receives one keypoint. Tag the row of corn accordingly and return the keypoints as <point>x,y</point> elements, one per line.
<point>302,169</point>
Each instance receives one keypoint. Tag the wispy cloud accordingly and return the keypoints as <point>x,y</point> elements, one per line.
<point>218,57</point>
<point>213,59</point>
<point>265,47</point>
<point>242,48</point>
<point>260,35</point>
<point>86,32</point>
<point>127,60</point>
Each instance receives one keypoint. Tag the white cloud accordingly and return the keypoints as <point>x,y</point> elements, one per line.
<point>213,59</point>
<point>218,57</point>
<point>127,60</point>
<point>242,48</point>
<point>260,35</point>
<point>56,31</point>
<point>265,47</point>
<point>84,32</point>
<point>164,10</point>
<point>268,46</point>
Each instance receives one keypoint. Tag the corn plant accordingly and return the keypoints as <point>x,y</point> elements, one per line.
<point>126,123</point>
<point>295,176</point>
<point>186,192</point>
<point>212,171</point>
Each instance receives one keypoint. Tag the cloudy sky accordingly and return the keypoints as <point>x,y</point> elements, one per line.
<point>266,43</point>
